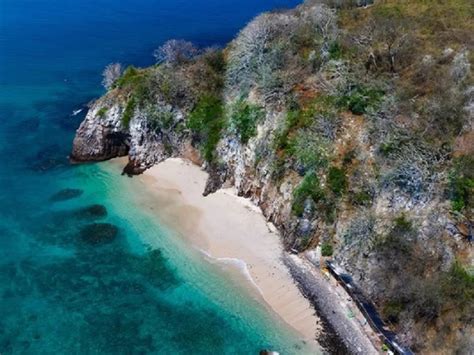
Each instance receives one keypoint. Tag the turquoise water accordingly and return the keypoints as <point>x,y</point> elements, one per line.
<point>78,274</point>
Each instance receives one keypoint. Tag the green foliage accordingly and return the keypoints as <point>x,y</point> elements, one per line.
<point>458,286</point>
<point>131,77</point>
<point>207,121</point>
<point>215,60</point>
<point>359,99</point>
<point>128,112</point>
<point>298,119</point>
<point>159,120</point>
<point>102,112</point>
<point>308,188</point>
<point>337,180</point>
<point>361,198</point>
<point>391,310</point>
<point>401,225</point>
<point>282,141</point>
<point>326,249</point>
<point>309,149</point>
<point>462,183</point>
<point>244,118</point>
<point>335,50</point>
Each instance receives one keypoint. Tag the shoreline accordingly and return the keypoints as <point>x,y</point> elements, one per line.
<point>230,231</point>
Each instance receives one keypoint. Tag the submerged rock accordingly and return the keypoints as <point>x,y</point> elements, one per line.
<point>48,158</point>
<point>66,194</point>
<point>91,211</point>
<point>98,233</point>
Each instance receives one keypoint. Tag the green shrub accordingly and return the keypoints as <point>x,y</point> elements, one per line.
<point>244,118</point>
<point>458,287</point>
<point>337,180</point>
<point>361,198</point>
<point>391,311</point>
<point>335,50</point>
<point>402,226</point>
<point>136,82</point>
<point>309,149</point>
<point>282,141</point>
<point>461,181</point>
<point>102,112</point>
<point>326,249</point>
<point>297,119</point>
<point>207,121</point>
<point>130,77</point>
<point>128,112</point>
<point>359,99</point>
<point>308,188</point>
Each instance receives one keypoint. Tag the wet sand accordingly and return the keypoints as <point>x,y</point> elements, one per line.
<point>230,231</point>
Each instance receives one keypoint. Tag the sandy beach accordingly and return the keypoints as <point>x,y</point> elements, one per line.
<point>230,231</point>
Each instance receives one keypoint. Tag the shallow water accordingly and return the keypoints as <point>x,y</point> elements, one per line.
<point>82,268</point>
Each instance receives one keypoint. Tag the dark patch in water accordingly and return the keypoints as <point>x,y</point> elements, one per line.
<point>98,233</point>
<point>105,294</point>
<point>91,212</point>
<point>48,158</point>
<point>66,194</point>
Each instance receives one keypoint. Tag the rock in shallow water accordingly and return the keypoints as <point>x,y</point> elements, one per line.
<point>98,233</point>
<point>91,211</point>
<point>66,194</point>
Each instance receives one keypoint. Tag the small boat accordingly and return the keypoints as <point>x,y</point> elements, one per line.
<point>76,112</point>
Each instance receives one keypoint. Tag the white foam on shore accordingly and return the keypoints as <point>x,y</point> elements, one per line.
<point>238,263</point>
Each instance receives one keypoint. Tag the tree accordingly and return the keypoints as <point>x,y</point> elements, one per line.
<point>254,54</point>
<point>175,51</point>
<point>110,74</point>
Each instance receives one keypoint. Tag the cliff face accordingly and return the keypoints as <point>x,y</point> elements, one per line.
<point>347,133</point>
<point>102,135</point>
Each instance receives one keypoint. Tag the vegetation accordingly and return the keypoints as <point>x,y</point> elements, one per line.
<point>326,249</point>
<point>244,117</point>
<point>359,99</point>
<point>110,75</point>
<point>128,112</point>
<point>337,180</point>
<point>175,52</point>
<point>309,189</point>
<point>462,183</point>
<point>160,120</point>
<point>102,112</point>
<point>207,121</point>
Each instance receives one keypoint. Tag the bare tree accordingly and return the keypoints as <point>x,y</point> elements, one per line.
<point>256,56</point>
<point>110,74</point>
<point>175,51</point>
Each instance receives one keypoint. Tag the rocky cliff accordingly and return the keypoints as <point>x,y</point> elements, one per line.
<point>350,127</point>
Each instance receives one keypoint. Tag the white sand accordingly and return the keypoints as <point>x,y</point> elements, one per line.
<point>231,231</point>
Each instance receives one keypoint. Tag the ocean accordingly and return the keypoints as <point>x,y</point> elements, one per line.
<point>83,270</point>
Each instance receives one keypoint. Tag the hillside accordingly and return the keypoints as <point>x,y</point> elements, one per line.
<point>351,127</point>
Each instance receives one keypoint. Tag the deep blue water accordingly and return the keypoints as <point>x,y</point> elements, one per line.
<point>62,289</point>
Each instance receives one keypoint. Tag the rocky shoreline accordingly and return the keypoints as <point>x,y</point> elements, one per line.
<point>341,334</point>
